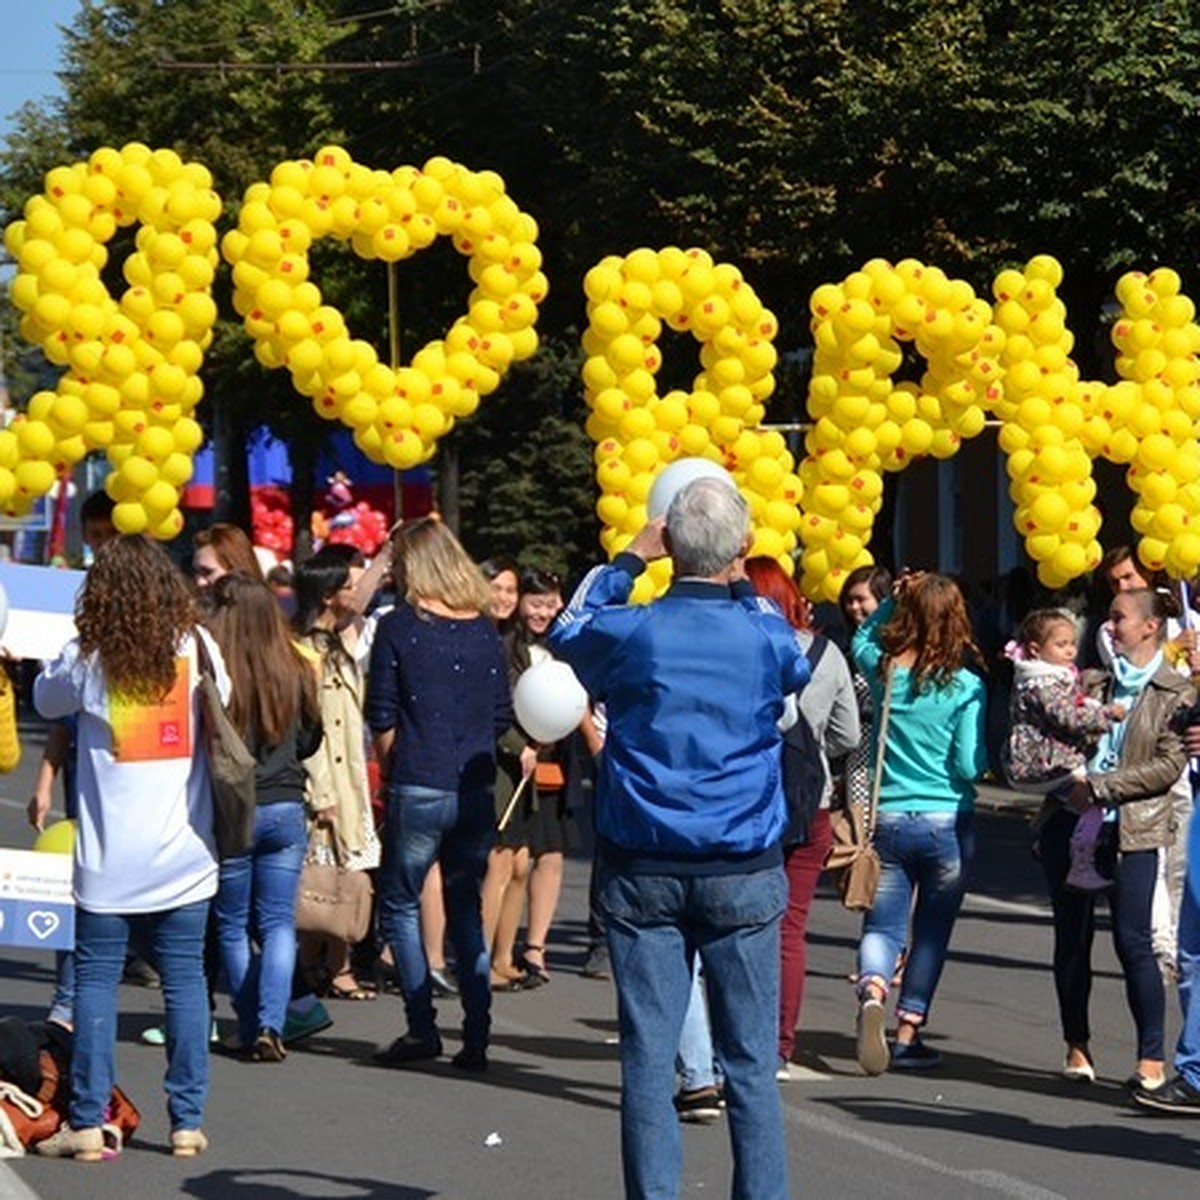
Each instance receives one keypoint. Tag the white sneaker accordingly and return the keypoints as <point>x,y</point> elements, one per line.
<point>870,1038</point>
<point>783,1073</point>
<point>83,1145</point>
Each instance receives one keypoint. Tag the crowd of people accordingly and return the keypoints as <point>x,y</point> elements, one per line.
<point>724,732</point>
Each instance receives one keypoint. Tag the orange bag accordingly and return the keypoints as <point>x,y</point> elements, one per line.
<point>549,777</point>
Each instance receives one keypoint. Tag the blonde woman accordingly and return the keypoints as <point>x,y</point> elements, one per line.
<point>437,700</point>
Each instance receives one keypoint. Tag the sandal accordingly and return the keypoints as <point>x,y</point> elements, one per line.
<point>536,974</point>
<point>351,991</point>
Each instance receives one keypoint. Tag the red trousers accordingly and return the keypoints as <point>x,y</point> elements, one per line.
<point>803,865</point>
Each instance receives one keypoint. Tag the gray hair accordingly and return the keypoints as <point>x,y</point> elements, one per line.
<point>708,521</point>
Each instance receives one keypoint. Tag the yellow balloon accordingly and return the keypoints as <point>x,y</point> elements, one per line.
<point>57,838</point>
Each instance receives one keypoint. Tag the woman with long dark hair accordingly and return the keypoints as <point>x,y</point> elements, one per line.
<point>437,700</point>
<point>144,847</point>
<point>274,706</point>
<point>338,796</point>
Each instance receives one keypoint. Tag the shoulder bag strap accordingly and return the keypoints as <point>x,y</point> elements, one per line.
<point>203,658</point>
<point>880,750</point>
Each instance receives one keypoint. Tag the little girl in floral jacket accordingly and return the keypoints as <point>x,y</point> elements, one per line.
<point>1054,727</point>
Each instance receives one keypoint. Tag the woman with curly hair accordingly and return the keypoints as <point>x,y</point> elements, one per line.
<point>274,706</point>
<point>914,651</point>
<point>144,846</point>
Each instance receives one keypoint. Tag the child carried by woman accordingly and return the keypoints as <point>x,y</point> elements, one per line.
<point>1055,729</point>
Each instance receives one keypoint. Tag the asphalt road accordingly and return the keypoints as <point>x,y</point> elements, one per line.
<point>995,1121</point>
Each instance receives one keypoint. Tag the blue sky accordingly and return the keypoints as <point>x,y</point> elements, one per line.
<point>30,56</point>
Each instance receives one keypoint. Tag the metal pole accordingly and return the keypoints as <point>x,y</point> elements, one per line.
<point>393,287</point>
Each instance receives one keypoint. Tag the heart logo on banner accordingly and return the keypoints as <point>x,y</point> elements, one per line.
<point>43,924</point>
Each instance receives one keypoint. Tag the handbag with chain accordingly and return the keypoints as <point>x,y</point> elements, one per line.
<point>853,851</point>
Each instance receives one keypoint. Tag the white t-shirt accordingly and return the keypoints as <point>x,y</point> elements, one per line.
<point>144,841</point>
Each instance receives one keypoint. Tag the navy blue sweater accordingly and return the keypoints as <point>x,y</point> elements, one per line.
<point>442,685</point>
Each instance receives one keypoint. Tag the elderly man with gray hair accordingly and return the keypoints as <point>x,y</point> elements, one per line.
<point>689,815</point>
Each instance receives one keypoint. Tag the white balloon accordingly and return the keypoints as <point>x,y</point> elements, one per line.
<point>549,701</point>
<point>671,480</point>
<point>3,610</point>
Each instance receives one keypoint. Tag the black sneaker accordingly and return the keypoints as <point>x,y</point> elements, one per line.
<point>408,1049</point>
<point>140,973</point>
<point>597,965</point>
<point>914,1056</point>
<point>1175,1096</point>
<point>700,1106</point>
<point>471,1058</point>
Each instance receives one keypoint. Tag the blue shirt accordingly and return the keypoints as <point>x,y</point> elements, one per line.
<point>442,685</point>
<point>693,687</point>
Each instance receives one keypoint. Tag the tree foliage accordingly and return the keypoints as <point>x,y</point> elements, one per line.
<point>797,138</point>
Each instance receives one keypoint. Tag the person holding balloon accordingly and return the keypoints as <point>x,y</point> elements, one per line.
<point>437,700</point>
<point>145,846</point>
<point>690,813</point>
<point>544,819</point>
<point>507,873</point>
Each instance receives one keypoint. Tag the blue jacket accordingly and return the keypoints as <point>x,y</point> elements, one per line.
<point>693,686</point>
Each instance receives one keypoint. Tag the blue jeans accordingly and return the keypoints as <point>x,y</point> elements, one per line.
<point>424,825</point>
<point>1187,1050</point>
<point>100,943</point>
<point>257,899</point>
<point>929,853</point>
<point>696,1066</point>
<point>62,1004</point>
<point>656,924</point>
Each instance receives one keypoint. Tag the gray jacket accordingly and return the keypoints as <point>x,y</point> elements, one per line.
<point>829,706</point>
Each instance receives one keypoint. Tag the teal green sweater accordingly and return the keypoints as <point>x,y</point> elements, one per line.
<point>935,740</point>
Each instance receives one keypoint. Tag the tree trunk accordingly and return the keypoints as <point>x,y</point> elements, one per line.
<point>301,496</point>
<point>447,486</point>
<point>231,472</point>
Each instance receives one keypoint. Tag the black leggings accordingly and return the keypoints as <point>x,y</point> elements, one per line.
<point>1075,927</point>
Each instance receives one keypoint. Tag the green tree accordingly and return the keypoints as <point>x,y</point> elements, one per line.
<point>527,488</point>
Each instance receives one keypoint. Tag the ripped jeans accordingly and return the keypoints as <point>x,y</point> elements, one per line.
<point>931,853</point>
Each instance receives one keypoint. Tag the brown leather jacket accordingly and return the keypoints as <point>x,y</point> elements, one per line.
<point>1152,758</point>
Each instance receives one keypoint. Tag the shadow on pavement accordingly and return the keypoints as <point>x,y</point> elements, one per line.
<point>1139,1138</point>
<point>502,1072</point>
<point>256,1184</point>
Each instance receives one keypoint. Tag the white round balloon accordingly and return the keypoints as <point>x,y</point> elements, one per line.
<point>549,701</point>
<point>670,480</point>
